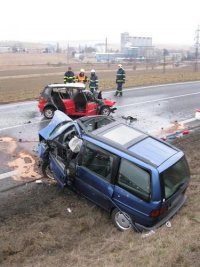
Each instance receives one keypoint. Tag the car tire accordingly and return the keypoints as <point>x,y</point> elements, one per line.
<point>46,170</point>
<point>49,112</point>
<point>105,110</point>
<point>122,221</point>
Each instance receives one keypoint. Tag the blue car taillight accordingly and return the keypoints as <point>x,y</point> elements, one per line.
<point>157,212</point>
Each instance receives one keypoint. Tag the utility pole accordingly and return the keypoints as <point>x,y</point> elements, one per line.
<point>196,48</point>
<point>165,53</point>
<point>106,51</point>
<point>67,53</point>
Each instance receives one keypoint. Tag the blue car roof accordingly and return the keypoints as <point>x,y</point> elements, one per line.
<point>153,150</point>
<point>134,142</point>
<point>120,137</point>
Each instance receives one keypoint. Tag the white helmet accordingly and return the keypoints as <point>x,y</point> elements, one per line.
<point>92,71</point>
<point>120,65</point>
<point>82,70</point>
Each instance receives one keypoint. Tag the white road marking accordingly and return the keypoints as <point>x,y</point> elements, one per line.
<point>128,105</point>
<point>130,89</point>
<point>21,125</point>
<point>189,120</point>
<point>12,105</point>
<point>156,100</point>
<point>8,174</point>
<point>152,86</point>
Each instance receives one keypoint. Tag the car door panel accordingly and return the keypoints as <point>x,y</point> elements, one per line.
<point>132,204</point>
<point>94,187</point>
<point>91,108</point>
<point>70,106</point>
<point>58,169</point>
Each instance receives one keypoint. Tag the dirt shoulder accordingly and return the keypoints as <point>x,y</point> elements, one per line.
<point>42,225</point>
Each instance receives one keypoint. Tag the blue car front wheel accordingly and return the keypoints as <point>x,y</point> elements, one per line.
<point>46,170</point>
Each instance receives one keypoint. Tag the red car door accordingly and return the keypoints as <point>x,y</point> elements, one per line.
<point>91,108</point>
<point>70,106</point>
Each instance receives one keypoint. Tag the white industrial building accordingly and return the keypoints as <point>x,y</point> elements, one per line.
<point>135,46</point>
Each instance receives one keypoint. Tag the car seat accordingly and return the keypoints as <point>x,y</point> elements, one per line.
<point>58,102</point>
<point>80,102</point>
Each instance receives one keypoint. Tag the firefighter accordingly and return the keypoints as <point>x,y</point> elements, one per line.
<point>69,76</point>
<point>81,77</point>
<point>93,82</point>
<point>120,80</point>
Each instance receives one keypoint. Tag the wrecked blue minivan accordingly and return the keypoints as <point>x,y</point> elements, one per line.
<point>139,179</point>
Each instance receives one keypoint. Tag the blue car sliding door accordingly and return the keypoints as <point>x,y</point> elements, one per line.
<point>95,174</point>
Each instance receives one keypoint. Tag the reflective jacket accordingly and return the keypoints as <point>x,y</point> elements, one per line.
<point>121,76</point>
<point>93,83</point>
<point>69,77</point>
<point>81,78</point>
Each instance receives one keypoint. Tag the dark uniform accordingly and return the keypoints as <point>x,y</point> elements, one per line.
<point>93,82</point>
<point>120,79</point>
<point>69,76</point>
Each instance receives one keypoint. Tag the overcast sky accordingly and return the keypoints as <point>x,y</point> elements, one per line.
<point>166,21</point>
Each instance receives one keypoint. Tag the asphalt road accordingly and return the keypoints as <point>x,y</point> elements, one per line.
<point>155,107</point>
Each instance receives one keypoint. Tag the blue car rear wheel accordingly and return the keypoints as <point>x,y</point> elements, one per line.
<point>121,220</point>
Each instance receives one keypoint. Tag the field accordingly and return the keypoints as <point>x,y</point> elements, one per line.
<point>22,77</point>
<point>41,225</point>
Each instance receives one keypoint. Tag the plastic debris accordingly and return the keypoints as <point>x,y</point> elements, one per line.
<point>69,210</point>
<point>197,114</point>
<point>168,224</point>
<point>148,234</point>
<point>38,181</point>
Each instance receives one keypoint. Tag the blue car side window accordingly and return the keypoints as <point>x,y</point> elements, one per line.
<point>98,162</point>
<point>134,179</point>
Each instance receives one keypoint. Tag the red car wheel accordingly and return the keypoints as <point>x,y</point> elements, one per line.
<point>105,110</point>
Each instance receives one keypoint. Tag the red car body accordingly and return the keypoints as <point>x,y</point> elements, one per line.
<point>74,100</point>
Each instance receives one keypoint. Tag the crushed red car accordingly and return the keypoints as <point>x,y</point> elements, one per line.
<point>74,100</point>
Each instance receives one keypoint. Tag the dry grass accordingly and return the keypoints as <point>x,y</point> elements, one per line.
<point>37,230</point>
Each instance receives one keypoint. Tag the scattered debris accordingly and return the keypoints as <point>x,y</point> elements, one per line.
<point>197,114</point>
<point>168,224</point>
<point>148,234</point>
<point>69,210</point>
<point>176,130</point>
<point>38,181</point>
<point>129,119</point>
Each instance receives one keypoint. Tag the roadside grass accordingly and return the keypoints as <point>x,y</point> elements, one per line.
<point>20,83</point>
<point>36,228</point>
<point>20,89</point>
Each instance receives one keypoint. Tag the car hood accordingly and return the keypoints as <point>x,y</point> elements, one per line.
<point>58,118</point>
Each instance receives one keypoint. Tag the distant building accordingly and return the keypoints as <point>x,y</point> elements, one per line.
<point>136,47</point>
<point>108,57</point>
<point>5,49</point>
